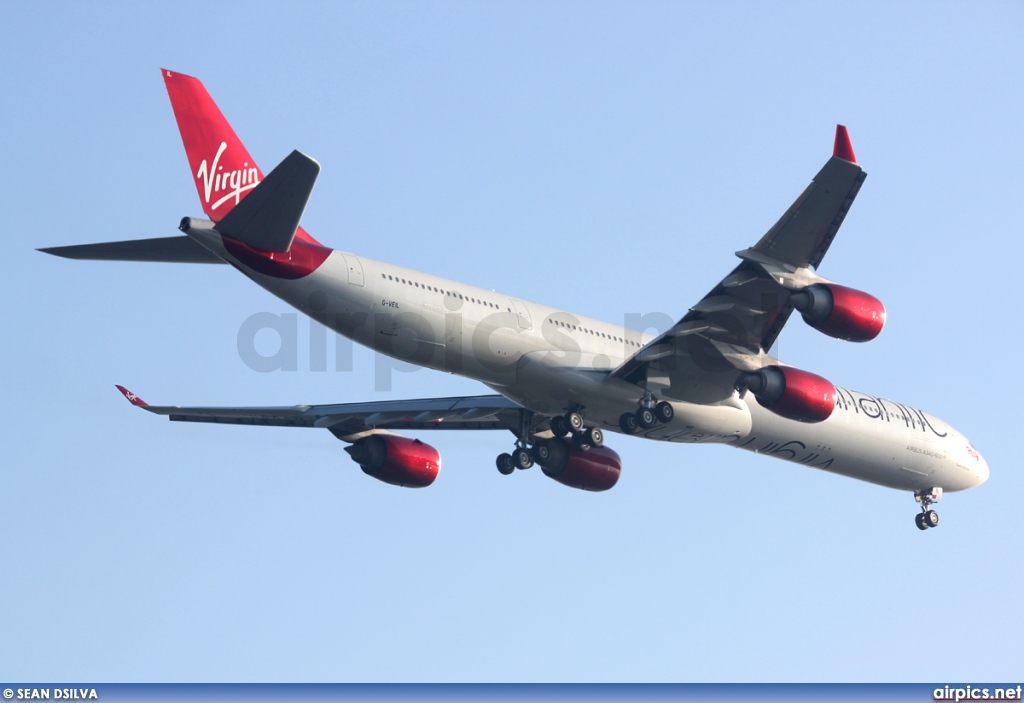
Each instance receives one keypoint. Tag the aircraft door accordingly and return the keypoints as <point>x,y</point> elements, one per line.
<point>522,314</point>
<point>355,269</point>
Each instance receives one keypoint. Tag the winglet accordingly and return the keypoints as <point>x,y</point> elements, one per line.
<point>843,148</point>
<point>132,398</point>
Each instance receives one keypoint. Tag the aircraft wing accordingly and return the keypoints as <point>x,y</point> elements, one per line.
<point>344,420</point>
<point>740,318</point>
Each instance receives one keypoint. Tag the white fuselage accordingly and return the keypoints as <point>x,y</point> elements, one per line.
<point>549,360</point>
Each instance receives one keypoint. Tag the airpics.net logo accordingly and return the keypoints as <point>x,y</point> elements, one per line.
<point>269,342</point>
<point>977,693</point>
<point>216,180</point>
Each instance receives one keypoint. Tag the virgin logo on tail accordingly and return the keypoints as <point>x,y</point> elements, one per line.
<point>216,180</point>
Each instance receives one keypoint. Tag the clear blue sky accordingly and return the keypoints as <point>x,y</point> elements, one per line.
<point>604,158</point>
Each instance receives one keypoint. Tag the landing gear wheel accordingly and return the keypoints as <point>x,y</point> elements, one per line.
<point>575,422</point>
<point>628,423</point>
<point>505,464</point>
<point>645,418</point>
<point>927,497</point>
<point>581,442</point>
<point>594,436</point>
<point>542,453</point>
<point>522,459</point>
<point>664,412</point>
<point>559,426</point>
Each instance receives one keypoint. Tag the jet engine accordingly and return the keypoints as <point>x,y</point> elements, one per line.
<point>596,469</point>
<point>840,312</point>
<point>397,460</point>
<point>792,393</point>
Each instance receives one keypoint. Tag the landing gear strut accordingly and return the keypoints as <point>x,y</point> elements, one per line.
<point>649,415</point>
<point>521,457</point>
<point>927,517</point>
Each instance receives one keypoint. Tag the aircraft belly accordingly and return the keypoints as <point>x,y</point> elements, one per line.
<point>545,385</point>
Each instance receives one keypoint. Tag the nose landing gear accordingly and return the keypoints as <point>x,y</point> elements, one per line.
<point>927,517</point>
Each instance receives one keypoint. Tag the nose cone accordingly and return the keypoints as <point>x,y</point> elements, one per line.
<point>979,467</point>
<point>981,470</point>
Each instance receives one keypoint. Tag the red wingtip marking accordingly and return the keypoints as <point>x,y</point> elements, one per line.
<point>843,148</point>
<point>132,398</point>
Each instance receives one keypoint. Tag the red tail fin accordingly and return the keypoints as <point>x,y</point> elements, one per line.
<point>222,168</point>
<point>223,171</point>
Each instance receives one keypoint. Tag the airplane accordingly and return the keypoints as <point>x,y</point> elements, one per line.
<point>560,380</point>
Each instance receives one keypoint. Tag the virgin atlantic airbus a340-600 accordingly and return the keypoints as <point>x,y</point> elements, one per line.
<point>560,379</point>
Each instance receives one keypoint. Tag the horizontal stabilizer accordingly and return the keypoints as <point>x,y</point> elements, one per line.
<point>175,250</point>
<point>269,216</point>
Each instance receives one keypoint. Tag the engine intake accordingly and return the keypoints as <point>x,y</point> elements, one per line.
<point>840,312</point>
<point>397,460</point>
<point>596,469</point>
<point>792,393</point>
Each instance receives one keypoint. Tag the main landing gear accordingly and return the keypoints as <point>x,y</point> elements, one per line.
<point>572,423</point>
<point>525,455</point>
<point>520,458</point>
<point>927,517</point>
<point>648,415</point>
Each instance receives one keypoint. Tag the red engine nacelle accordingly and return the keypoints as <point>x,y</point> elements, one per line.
<point>840,312</point>
<point>792,393</point>
<point>596,469</point>
<point>397,460</point>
